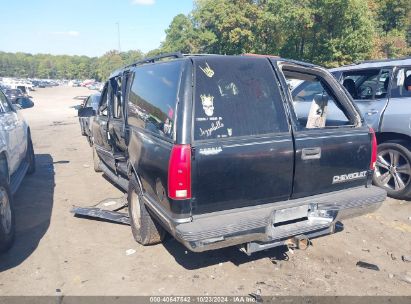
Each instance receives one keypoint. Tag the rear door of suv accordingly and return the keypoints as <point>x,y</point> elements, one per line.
<point>370,90</point>
<point>100,127</point>
<point>333,148</point>
<point>242,145</point>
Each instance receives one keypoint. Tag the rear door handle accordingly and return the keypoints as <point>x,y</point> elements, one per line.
<point>311,153</point>
<point>372,112</point>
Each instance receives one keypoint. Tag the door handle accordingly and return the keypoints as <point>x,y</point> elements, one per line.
<point>372,112</point>
<point>311,153</point>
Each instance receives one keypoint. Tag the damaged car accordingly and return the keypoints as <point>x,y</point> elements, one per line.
<point>218,151</point>
<point>16,160</point>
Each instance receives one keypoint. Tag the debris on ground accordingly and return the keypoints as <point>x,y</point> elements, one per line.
<point>406,258</point>
<point>257,296</point>
<point>108,209</point>
<point>405,277</point>
<point>392,256</point>
<point>130,251</point>
<point>367,266</point>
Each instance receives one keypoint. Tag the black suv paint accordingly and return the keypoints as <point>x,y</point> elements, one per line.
<point>220,150</point>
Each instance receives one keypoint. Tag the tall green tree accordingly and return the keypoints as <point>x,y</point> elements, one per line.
<point>180,36</point>
<point>226,27</point>
<point>107,63</point>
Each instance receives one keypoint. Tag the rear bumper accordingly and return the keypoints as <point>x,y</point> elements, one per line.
<point>258,226</point>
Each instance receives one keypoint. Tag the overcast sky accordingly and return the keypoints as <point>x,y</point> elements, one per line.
<point>85,27</point>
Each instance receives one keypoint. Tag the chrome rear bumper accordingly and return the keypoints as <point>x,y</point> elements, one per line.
<point>272,225</point>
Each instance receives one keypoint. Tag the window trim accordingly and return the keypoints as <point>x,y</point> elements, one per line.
<point>111,105</point>
<point>104,91</point>
<point>339,94</point>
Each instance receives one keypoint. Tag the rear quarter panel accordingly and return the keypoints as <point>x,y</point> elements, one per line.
<point>149,156</point>
<point>397,116</point>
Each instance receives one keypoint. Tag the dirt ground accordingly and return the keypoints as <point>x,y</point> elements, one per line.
<point>56,251</point>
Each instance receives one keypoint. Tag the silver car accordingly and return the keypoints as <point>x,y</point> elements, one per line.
<point>382,92</point>
<point>16,159</point>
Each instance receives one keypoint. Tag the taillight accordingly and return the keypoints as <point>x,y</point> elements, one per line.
<point>373,149</point>
<point>179,173</point>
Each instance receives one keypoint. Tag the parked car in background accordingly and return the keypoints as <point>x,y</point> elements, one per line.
<point>382,91</point>
<point>16,159</point>
<point>24,89</point>
<point>13,94</point>
<point>91,103</point>
<point>97,86</point>
<point>211,149</point>
<point>74,83</point>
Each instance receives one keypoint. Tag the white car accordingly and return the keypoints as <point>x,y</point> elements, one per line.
<point>16,160</point>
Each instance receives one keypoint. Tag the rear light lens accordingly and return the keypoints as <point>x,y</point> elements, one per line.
<point>373,149</point>
<point>179,173</point>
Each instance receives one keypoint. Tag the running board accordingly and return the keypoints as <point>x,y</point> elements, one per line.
<point>17,177</point>
<point>107,209</point>
<point>119,180</point>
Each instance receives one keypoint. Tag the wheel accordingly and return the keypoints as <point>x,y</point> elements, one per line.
<point>96,160</point>
<point>145,230</point>
<point>393,169</point>
<point>7,220</point>
<point>30,157</point>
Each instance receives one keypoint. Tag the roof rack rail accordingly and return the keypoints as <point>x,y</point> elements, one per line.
<point>156,58</point>
<point>200,54</point>
<point>382,60</point>
<point>146,60</point>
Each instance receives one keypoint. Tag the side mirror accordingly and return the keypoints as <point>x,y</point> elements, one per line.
<point>86,112</point>
<point>24,102</point>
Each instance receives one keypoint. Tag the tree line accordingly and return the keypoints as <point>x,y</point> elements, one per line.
<point>325,32</point>
<point>47,66</point>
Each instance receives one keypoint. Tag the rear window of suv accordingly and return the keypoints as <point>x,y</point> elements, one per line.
<point>236,96</point>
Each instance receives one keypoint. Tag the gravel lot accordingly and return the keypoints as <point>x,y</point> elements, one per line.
<point>56,251</point>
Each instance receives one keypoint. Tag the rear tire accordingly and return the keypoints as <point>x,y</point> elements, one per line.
<point>7,217</point>
<point>393,169</point>
<point>145,229</point>
<point>31,158</point>
<point>96,160</point>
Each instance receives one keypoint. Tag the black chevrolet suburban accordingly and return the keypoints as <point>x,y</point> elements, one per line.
<point>222,150</point>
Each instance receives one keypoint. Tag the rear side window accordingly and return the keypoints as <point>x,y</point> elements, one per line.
<point>401,86</point>
<point>236,97</point>
<point>153,97</point>
<point>103,102</point>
